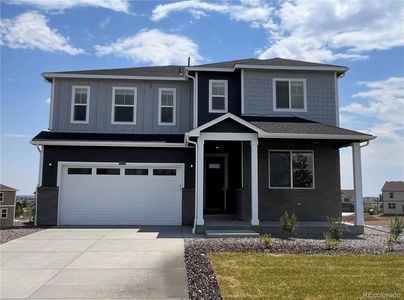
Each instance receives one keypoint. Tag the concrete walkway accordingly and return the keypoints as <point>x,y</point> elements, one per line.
<point>95,263</point>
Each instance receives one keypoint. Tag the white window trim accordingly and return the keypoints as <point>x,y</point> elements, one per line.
<point>74,87</point>
<point>2,197</point>
<point>226,96</point>
<point>134,105</point>
<point>304,109</point>
<point>174,90</point>
<point>1,215</point>
<point>291,170</point>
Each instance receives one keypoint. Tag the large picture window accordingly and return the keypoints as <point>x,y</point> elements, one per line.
<point>291,169</point>
<point>167,106</point>
<point>124,105</point>
<point>80,104</point>
<point>289,94</point>
<point>218,96</point>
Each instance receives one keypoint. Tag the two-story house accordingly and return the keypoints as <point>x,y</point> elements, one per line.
<point>175,145</point>
<point>393,197</point>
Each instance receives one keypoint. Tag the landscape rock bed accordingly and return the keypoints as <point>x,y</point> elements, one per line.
<point>202,283</point>
<point>9,234</point>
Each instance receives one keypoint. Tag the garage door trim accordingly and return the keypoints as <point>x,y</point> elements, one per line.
<point>180,167</point>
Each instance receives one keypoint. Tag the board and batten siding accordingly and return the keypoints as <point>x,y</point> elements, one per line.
<point>320,87</point>
<point>101,106</point>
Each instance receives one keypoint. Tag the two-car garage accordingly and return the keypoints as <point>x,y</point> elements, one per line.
<point>113,194</point>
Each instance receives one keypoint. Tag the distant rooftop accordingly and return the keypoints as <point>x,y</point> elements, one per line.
<point>393,186</point>
<point>5,188</point>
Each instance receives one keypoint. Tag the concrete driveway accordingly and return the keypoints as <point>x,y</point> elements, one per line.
<point>95,263</point>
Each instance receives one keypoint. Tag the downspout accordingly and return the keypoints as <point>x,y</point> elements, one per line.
<point>196,182</point>
<point>195,100</point>
<point>39,181</point>
<point>364,145</point>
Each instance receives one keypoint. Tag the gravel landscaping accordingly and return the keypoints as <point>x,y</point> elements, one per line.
<point>9,234</point>
<point>202,280</point>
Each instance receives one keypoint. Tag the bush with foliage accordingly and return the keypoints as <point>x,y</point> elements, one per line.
<point>335,228</point>
<point>288,224</point>
<point>266,239</point>
<point>396,229</point>
<point>330,242</point>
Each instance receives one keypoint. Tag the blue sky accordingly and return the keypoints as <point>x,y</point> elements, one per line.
<point>51,35</point>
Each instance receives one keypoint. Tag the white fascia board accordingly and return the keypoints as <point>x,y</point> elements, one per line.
<point>108,144</point>
<point>87,76</point>
<point>293,68</point>
<point>196,132</point>
<point>350,137</point>
<point>207,69</point>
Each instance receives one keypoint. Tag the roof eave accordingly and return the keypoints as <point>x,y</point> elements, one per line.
<point>50,76</point>
<point>310,136</point>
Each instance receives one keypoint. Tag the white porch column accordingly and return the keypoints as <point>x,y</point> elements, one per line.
<point>357,179</point>
<point>254,182</point>
<point>199,170</point>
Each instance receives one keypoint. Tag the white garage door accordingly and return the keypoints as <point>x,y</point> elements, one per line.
<point>117,195</point>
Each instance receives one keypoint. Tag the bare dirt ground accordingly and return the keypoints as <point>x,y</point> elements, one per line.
<point>374,220</point>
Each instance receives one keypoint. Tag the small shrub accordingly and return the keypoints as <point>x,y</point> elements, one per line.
<point>396,227</point>
<point>266,239</point>
<point>330,242</point>
<point>335,228</point>
<point>288,224</point>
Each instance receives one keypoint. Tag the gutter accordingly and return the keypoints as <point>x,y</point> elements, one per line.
<point>196,181</point>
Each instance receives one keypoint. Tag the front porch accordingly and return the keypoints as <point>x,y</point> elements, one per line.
<point>233,185</point>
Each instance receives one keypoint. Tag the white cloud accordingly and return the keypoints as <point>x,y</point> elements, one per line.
<point>329,30</point>
<point>115,5</point>
<point>104,23</point>
<point>31,31</point>
<point>379,110</point>
<point>153,46</point>
<point>255,12</point>
<point>383,104</point>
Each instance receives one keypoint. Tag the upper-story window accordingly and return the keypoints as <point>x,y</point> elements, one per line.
<point>289,94</point>
<point>391,195</point>
<point>167,102</point>
<point>124,102</point>
<point>218,96</point>
<point>1,196</point>
<point>80,104</point>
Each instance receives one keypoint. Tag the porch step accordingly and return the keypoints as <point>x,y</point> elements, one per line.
<point>211,233</point>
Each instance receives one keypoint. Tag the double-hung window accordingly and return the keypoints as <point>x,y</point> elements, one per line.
<point>167,102</point>
<point>289,94</point>
<point>4,213</point>
<point>124,101</point>
<point>80,104</point>
<point>218,96</point>
<point>1,196</point>
<point>291,169</point>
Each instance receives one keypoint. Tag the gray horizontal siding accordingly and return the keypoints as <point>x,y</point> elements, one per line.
<point>101,106</point>
<point>320,87</point>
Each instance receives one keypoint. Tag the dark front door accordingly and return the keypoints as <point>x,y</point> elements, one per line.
<point>215,190</point>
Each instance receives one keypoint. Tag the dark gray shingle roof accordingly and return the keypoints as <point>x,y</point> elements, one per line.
<point>393,186</point>
<point>267,62</point>
<point>159,71</point>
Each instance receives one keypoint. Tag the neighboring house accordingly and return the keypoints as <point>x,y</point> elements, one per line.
<point>173,145</point>
<point>393,197</point>
<point>7,205</point>
<point>347,200</point>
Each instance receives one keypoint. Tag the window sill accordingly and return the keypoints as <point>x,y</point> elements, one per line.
<point>218,111</point>
<point>78,122</point>
<point>290,110</point>
<point>123,123</point>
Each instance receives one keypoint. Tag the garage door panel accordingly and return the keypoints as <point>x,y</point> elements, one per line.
<point>120,199</point>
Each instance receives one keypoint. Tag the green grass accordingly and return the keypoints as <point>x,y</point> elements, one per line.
<point>270,276</point>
